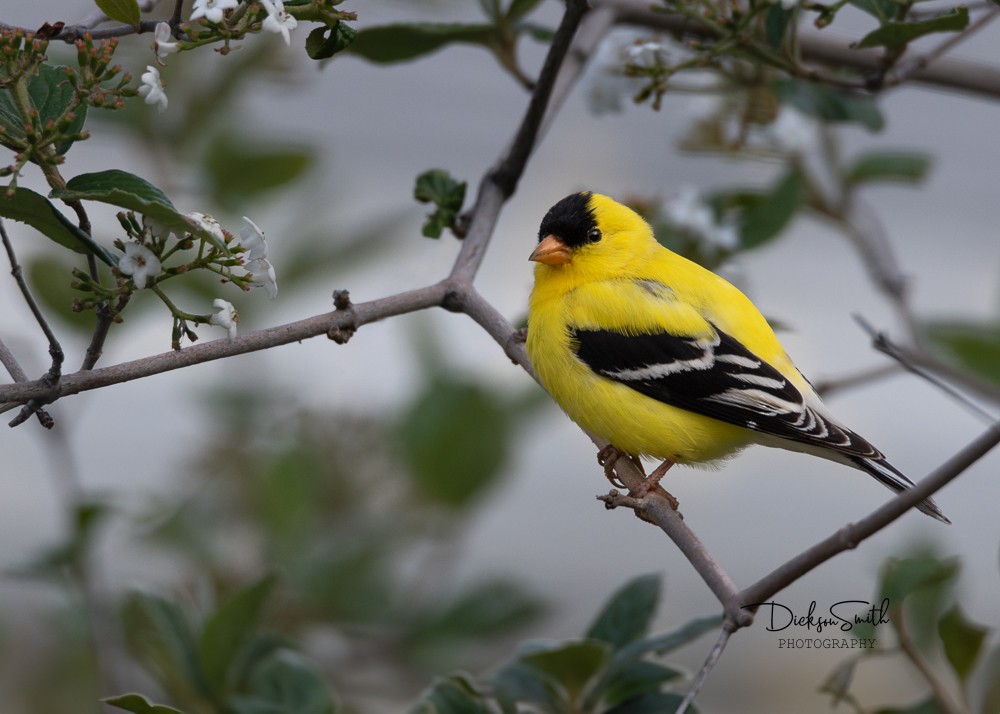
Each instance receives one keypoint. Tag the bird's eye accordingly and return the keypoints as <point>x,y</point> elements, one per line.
<point>594,235</point>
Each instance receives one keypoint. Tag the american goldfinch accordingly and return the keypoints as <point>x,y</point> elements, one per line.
<point>665,359</point>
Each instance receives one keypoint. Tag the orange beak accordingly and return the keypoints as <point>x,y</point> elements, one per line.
<point>551,251</point>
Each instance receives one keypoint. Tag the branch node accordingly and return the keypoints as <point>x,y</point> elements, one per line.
<point>453,300</point>
<point>341,334</point>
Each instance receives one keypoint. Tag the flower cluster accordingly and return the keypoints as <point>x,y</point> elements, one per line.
<point>215,13</point>
<point>158,251</point>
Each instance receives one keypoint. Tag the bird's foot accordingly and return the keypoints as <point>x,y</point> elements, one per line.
<point>608,457</point>
<point>651,484</point>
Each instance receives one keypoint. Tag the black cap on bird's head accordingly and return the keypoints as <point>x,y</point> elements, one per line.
<point>568,225</point>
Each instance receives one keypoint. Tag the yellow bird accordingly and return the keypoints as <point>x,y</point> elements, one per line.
<point>665,359</point>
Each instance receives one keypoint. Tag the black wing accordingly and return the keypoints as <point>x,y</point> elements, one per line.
<point>719,378</point>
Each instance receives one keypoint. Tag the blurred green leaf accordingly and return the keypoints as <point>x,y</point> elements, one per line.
<point>451,695</point>
<point>764,217</point>
<point>239,172</point>
<point>325,42</point>
<point>838,684</point>
<point>627,614</point>
<point>159,634</point>
<point>50,278</point>
<point>51,95</point>
<point>125,190</point>
<point>485,610</point>
<point>880,9</point>
<point>72,551</point>
<point>923,582</point>
<point>962,640</point>
<point>571,663</point>
<point>667,641</point>
<point>990,701</point>
<point>229,629</point>
<point>776,22</point>
<point>454,437</point>
<point>896,35</point>
<point>138,704</point>
<point>516,682</point>
<point>126,11</point>
<point>32,208</point>
<point>519,8</point>
<point>830,104</point>
<point>438,187</point>
<point>637,679</point>
<point>974,346</point>
<point>656,703</point>
<point>907,167</point>
<point>925,706</point>
<point>399,43</point>
<point>284,683</point>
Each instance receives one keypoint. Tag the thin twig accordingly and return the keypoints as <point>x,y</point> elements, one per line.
<point>826,387</point>
<point>710,662</point>
<point>910,68</point>
<point>906,644</point>
<point>911,361</point>
<point>55,350</point>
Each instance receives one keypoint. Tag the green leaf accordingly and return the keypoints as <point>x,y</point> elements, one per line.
<point>637,679</point>
<point>325,42</point>
<point>519,8</point>
<point>627,615</point>
<point>229,629</point>
<point>517,682</point>
<point>880,9</point>
<point>125,190</point>
<point>158,632</point>
<point>830,104</point>
<point>764,217</point>
<point>962,640</point>
<point>838,684</point>
<point>896,35</point>
<point>51,95</point>
<point>572,663</point>
<point>924,706</point>
<point>990,700</point>
<point>776,21</point>
<point>239,173</point>
<point>452,695</point>
<point>400,43</point>
<point>438,187</point>
<point>284,683</point>
<point>49,277</point>
<point>138,704</point>
<point>451,457</point>
<point>485,610</point>
<point>923,583</point>
<point>657,703</point>
<point>32,208</point>
<point>663,643</point>
<point>126,11</point>
<point>975,346</point>
<point>901,166</point>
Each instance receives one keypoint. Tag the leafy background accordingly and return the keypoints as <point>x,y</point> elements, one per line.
<point>324,433</point>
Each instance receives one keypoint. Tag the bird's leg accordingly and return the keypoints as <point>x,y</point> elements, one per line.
<point>652,483</point>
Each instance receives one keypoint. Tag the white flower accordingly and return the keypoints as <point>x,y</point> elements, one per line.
<point>278,19</point>
<point>226,317</point>
<point>140,263</point>
<point>690,213</point>
<point>252,240</point>
<point>207,223</point>
<point>647,54</point>
<point>212,10</point>
<point>163,43</point>
<point>793,131</point>
<point>152,88</point>
<point>262,276</point>
<point>155,228</point>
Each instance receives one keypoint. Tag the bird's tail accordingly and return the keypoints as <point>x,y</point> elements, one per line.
<point>889,476</point>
